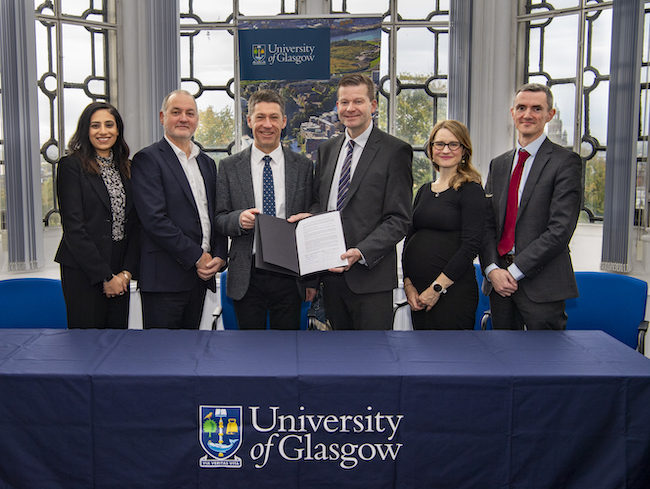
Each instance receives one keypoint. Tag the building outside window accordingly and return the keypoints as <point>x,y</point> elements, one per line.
<point>567,47</point>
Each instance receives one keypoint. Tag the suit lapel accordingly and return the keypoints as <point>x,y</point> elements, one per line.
<point>290,178</point>
<point>171,160</point>
<point>541,158</point>
<point>245,178</point>
<point>368,154</point>
<point>501,183</point>
<point>126,182</point>
<point>98,185</point>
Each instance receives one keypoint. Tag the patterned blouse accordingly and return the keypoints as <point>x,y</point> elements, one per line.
<point>113,181</point>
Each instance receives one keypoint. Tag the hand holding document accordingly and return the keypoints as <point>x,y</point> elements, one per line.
<point>307,246</point>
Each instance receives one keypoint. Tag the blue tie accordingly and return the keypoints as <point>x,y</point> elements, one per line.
<point>268,192</point>
<point>344,181</point>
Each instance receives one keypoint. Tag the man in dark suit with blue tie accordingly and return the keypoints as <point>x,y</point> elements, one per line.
<point>264,178</point>
<point>534,195</point>
<point>366,175</point>
<point>174,187</point>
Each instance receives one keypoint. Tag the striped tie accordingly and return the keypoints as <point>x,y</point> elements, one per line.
<point>268,191</point>
<point>344,181</point>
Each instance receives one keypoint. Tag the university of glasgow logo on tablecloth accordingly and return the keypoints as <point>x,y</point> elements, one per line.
<point>220,435</point>
<point>259,54</point>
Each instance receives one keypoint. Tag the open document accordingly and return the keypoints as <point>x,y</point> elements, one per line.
<point>299,248</point>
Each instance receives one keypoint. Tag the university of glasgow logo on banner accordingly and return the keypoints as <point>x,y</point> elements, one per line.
<point>220,435</point>
<point>259,54</point>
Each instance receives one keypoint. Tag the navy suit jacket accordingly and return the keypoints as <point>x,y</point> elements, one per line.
<point>546,218</point>
<point>235,194</point>
<point>171,237</point>
<point>377,210</point>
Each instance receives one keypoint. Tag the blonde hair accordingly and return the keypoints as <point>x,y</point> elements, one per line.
<point>465,171</point>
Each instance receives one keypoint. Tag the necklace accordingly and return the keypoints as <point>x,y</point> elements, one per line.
<point>437,192</point>
<point>105,161</point>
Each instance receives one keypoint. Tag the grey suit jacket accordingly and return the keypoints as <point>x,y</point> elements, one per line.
<point>235,194</point>
<point>377,208</point>
<point>547,216</point>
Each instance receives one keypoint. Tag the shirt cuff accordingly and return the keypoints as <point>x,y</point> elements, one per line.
<point>489,268</point>
<point>515,272</point>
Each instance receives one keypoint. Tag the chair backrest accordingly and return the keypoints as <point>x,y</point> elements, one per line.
<point>230,318</point>
<point>483,300</point>
<point>228,315</point>
<point>32,303</point>
<point>610,302</point>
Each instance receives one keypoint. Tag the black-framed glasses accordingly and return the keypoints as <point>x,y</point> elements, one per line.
<point>453,146</point>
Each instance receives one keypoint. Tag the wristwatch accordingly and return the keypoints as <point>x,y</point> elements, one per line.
<point>438,288</point>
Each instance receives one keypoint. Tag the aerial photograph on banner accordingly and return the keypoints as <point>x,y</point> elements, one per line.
<point>303,60</point>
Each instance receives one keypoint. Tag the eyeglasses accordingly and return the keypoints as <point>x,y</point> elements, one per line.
<point>453,146</point>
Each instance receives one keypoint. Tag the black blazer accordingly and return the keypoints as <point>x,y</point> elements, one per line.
<point>377,208</point>
<point>86,217</point>
<point>171,237</point>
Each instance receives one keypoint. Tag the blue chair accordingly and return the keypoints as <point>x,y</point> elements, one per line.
<point>483,308</point>
<point>32,303</point>
<point>612,303</point>
<point>229,317</point>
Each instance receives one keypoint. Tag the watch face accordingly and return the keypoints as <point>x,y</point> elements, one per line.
<point>437,287</point>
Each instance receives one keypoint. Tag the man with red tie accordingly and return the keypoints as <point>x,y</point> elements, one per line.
<point>534,195</point>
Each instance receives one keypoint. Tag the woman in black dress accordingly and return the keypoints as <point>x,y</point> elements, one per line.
<point>445,235</point>
<point>99,251</point>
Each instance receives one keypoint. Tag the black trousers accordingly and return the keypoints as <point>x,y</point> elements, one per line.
<point>174,310</point>
<point>273,293</point>
<point>86,304</point>
<point>347,310</point>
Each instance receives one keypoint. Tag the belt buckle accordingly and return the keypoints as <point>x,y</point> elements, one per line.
<point>509,258</point>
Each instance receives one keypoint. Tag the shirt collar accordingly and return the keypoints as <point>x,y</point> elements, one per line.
<point>533,147</point>
<point>257,154</point>
<point>362,138</point>
<point>194,149</point>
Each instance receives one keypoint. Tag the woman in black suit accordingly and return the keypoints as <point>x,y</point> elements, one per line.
<point>99,251</point>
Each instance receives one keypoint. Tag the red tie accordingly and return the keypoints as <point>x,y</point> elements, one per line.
<point>508,237</point>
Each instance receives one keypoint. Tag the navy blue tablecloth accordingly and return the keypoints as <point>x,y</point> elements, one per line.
<point>457,409</point>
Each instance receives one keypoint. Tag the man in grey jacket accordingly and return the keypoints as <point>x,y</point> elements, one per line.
<point>263,178</point>
<point>533,205</point>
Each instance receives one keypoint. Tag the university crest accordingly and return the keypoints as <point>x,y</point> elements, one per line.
<point>220,435</point>
<point>259,54</point>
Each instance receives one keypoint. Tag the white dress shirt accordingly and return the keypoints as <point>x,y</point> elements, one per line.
<point>277,167</point>
<point>195,178</point>
<point>359,143</point>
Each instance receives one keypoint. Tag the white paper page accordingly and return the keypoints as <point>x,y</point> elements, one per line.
<point>320,243</point>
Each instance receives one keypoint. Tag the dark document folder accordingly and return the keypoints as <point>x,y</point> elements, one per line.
<point>276,245</point>
<point>300,248</point>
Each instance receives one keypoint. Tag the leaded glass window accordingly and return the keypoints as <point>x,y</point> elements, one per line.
<point>75,40</point>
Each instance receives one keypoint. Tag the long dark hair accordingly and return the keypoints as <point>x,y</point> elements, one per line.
<point>83,149</point>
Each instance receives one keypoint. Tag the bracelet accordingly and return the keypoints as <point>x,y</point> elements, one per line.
<point>126,276</point>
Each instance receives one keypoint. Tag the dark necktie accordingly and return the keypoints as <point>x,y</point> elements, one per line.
<point>508,237</point>
<point>344,181</point>
<point>268,192</point>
